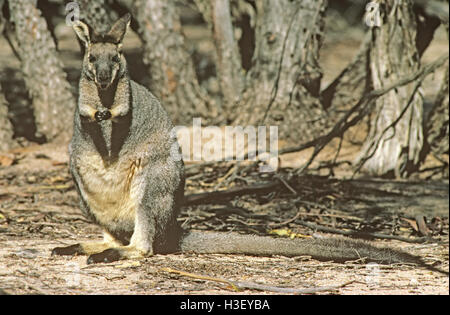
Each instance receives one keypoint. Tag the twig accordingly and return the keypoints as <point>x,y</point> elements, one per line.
<point>364,235</point>
<point>348,217</point>
<point>201,277</point>
<point>200,198</point>
<point>228,177</point>
<point>286,222</point>
<point>240,285</point>
<point>286,184</point>
<point>241,212</point>
<point>362,108</point>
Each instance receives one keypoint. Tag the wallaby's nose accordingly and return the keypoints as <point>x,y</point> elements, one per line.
<point>103,76</point>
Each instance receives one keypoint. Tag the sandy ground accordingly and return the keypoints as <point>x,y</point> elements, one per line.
<point>39,211</point>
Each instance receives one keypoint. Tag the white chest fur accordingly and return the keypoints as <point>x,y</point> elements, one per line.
<point>112,190</point>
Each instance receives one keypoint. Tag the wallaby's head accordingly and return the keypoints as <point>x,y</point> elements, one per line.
<point>103,59</point>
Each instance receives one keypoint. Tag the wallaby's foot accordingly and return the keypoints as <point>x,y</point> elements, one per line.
<point>107,256</point>
<point>71,250</point>
<point>87,248</point>
<point>115,254</point>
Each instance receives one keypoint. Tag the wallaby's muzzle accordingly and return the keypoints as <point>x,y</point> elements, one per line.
<point>103,78</point>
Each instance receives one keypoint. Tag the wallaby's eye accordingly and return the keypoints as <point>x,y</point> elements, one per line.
<point>116,58</point>
<point>92,59</point>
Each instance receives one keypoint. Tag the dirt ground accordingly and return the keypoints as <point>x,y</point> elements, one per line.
<point>39,211</point>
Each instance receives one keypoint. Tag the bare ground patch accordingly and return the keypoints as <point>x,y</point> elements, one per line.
<point>39,211</point>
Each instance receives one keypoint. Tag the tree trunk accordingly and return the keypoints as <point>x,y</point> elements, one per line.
<point>437,124</point>
<point>230,73</point>
<point>45,79</point>
<point>283,84</point>
<point>395,140</point>
<point>6,128</point>
<point>170,66</point>
<point>97,14</point>
<point>354,81</point>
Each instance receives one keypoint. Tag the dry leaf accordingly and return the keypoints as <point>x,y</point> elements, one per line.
<point>423,228</point>
<point>412,223</point>
<point>6,160</point>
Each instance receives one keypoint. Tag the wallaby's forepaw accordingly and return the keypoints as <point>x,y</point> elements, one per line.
<point>71,250</point>
<point>102,115</point>
<point>107,256</point>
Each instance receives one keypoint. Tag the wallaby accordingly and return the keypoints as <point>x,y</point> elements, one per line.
<point>132,185</point>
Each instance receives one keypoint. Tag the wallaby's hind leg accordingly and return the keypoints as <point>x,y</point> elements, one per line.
<point>141,245</point>
<point>88,248</point>
<point>152,218</point>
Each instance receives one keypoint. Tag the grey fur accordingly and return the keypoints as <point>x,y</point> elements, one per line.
<point>325,249</point>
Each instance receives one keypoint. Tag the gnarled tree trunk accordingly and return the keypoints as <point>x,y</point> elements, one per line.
<point>395,140</point>
<point>53,102</point>
<point>283,84</point>
<point>437,124</point>
<point>6,129</point>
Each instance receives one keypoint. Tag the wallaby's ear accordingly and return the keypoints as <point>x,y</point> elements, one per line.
<point>118,30</point>
<point>82,31</point>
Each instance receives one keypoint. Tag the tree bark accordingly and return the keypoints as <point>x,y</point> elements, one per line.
<point>283,84</point>
<point>6,131</point>
<point>170,66</point>
<point>395,140</point>
<point>437,123</point>
<point>355,81</point>
<point>45,79</point>
<point>97,14</point>
<point>6,128</point>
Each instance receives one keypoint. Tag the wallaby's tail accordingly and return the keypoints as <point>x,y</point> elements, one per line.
<point>327,249</point>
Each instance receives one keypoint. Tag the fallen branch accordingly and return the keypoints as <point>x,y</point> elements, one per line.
<point>240,285</point>
<point>213,196</point>
<point>363,235</point>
